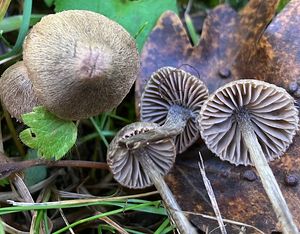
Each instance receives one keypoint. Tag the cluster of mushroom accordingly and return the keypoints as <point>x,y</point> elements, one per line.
<point>142,153</point>
<point>76,63</point>
<point>246,122</point>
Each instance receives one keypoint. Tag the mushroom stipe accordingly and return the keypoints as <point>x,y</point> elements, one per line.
<point>144,166</point>
<point>252,122</point>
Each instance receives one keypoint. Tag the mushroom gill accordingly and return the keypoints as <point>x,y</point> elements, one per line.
<point>124,162</point>
<point>270,110</point>
<point>174,97</point>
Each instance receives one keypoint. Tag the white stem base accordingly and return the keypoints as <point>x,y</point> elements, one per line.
<point>268,179</point>
<point>182,223</point>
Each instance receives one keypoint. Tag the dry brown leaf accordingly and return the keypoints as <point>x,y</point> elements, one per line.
<point>233,46</point>
<point>277,55</point>
<point>229,41</point>
<point>238,190</point>
<point>169,45</point>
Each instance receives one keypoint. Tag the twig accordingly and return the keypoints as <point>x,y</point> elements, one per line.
<point>10,167</point>
<point>4,196</point>
<point>11,230</point>
<point>113,224</point>
<point>16,181</point>
<point>66,221</point>
<point>21,189</point>
<point>211,195</point>
<point>81,201</point>
<point>226,221</point>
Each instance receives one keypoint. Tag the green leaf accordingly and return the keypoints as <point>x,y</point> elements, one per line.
<point>49,135</point>
<point>137,17</point>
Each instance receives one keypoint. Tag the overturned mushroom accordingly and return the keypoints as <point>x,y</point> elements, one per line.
<point>80,63</point>
<point>16,92</point>
<point>142,167</point>
<point>173,99</point>
<point>252,122</point>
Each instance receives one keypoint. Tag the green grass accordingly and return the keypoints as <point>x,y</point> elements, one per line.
<point>13,23</point>
<point>22,31</point>
<point>122,204</point>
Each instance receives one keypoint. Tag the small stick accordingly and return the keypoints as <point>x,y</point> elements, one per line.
<point>4,196</point>
<point>11,167</point>
<point>211,195</point>
<point>16,181</point>
<point>112,223</point>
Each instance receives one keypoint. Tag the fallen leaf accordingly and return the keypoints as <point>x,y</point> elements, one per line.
<point>238,190</point>
<point>169,45</point>
<point>232,46</point>
<point>227,46</point>
<point>276,57</point>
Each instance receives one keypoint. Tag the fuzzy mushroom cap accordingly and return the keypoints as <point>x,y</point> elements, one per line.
<point>80,62</point>
<point>269,109</point>
<point>124,163</point>
<point>168,87</point>
<point>16,91</point>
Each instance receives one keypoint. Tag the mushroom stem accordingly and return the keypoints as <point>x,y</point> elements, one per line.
<point>174,125</point>
<point>267,177</point>
<point>182,223</point>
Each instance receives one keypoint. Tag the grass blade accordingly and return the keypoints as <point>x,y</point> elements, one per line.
<point>23,30</point>
<point>3,8</point>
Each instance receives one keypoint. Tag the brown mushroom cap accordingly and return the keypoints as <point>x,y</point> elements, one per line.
<point>16,91</point>
<point>124,163</point>
<point>169,86</point>
<point>80,62</point>
<point>270,109</point>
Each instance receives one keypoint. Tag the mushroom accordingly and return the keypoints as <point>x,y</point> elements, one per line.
<point>80,63</point>
<point>16,91</point>
<point>251,122</point>
<point>144,166</point>
<point>173,99</point>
